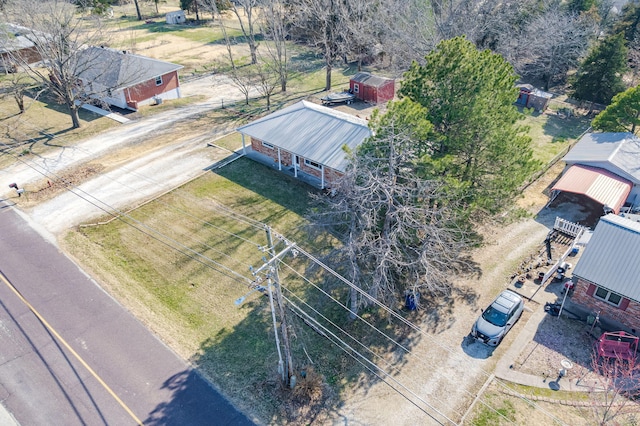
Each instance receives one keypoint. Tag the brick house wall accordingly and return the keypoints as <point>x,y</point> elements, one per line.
<point>29,55</point>
<point>148,89</point>
<point>628,313</point>
<point>286,158</point>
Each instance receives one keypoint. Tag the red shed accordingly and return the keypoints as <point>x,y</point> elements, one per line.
<point>371,88</point>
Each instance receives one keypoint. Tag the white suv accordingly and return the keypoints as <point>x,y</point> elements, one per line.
<point>498,318</point>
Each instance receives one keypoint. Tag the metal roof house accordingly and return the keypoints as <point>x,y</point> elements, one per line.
<point>126,80</point>
<point>603,167</point>
<point>306,138</point>
<point>607,276</point>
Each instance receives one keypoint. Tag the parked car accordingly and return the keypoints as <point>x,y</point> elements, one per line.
<point>496,321</point>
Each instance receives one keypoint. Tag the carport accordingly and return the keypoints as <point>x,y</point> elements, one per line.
<point>598,184</point>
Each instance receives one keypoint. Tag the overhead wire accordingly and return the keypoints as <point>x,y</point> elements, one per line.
<point>372,366</point>
<point>376,329</point>
<point>151,232</point>
<point>415,327</point>
<point>241,218</point>
<point>362,345</point>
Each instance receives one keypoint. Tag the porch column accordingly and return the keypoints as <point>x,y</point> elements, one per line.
<point>295,164</point>
<point>279,160</point>
<point>322,177</point>
<point>244,148</point>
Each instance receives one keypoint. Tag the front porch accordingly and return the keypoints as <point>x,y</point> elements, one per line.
<point>288,170</point>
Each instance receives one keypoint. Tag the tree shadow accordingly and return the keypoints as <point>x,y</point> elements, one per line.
<point>562,128</point>
<point>349,355</point>
<point>185,406</point>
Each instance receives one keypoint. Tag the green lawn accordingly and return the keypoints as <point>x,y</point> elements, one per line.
<point>551,135</point>
<point>189,299</point>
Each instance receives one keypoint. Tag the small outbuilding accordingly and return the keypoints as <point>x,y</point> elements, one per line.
<point>176,17</point>
<point>530,97</point>
<point>371,88</point>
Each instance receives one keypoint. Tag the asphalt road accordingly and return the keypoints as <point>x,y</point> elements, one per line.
<point>70,354</point>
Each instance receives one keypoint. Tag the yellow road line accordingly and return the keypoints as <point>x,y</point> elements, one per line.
<point>66,345</point>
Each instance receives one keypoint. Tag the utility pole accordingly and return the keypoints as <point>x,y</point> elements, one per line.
<point>271,266</point>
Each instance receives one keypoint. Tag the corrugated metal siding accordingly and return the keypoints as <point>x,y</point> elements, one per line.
<point>311,131</point>
<point>612,257</point>
<point>600,185</point>
<point>617,152</point>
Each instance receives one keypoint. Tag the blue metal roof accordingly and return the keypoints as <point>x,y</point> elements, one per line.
<point>612,257</point>
<point>311,131</point>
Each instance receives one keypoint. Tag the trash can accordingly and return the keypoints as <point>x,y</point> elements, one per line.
<point>411,301</point>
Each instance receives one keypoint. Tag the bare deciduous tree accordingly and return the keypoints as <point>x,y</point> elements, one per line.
<point>276,33</point>
<point>550,45</point>
<point>59,37</point>
<point>267,79</point>
<point>400,232</point>
<point>323,24</point>
<point>614,389</point>
<point>248,23</point>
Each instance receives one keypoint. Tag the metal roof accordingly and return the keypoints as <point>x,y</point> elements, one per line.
<point>612,257</point>
<point>618,152</point>
<point>116,69</point>
<point>14,38</point>
<point>370,80</point>
<point>600,185</point>
<point>311,131</point>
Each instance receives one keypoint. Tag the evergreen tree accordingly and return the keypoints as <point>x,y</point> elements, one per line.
<point>481,149</point>
<point>623,115</point>
<point>599,77</point>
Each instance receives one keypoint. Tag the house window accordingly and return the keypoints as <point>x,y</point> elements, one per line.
<point>312,164</point>
<point>267,145</point>
<point>607,296</point>
<point>356,88</point>
<point>159,81</point>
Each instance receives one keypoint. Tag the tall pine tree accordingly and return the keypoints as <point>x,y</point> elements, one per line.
<point>469,96</point>
<point>623,115</point>
<point>599,77</point>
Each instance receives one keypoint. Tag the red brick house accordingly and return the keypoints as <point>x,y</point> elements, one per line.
<point>126,80</point>
<point>371,88</point>
<point>607,276</point>
<point>307,138</point>
<point>16,47</point>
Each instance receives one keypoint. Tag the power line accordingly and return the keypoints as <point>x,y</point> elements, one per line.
<point>413,326</point>
<point>389,364</point>
<point>389,338</point>
<point>198,256</point>
<point>372,366</point>
<point>151,232</point>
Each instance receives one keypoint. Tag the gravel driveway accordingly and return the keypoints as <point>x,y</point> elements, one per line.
<point>139,179</point>
<point>444,369</point>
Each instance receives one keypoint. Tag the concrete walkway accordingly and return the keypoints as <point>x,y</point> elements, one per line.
<point>117,117</point>
<point>505,366</point>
